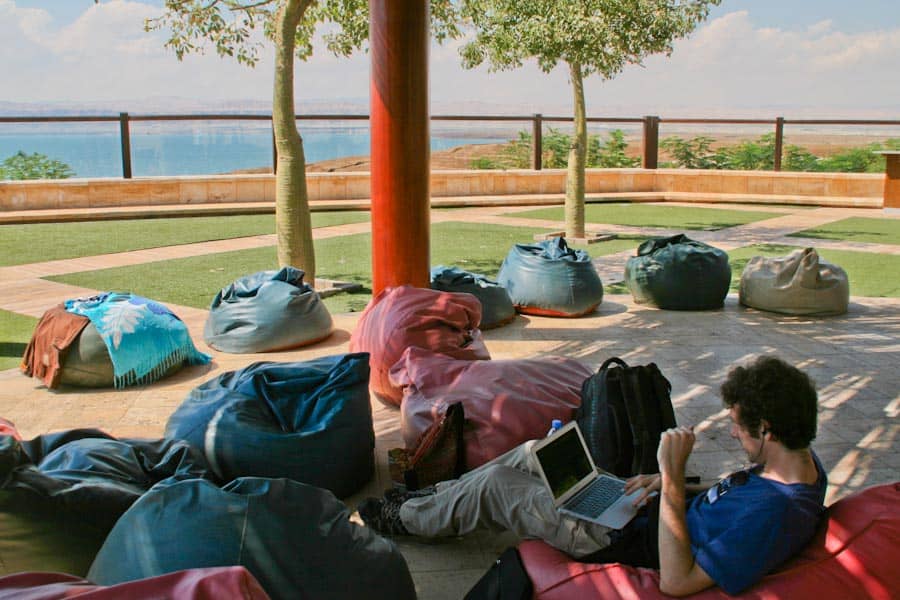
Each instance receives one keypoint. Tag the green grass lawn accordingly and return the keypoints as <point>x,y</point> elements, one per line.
<point>15,331</point>
<point>648,215</point>
<point>857,229</point>
<point>870,275</point>
<point>22,244</point>
<point>194,281</point>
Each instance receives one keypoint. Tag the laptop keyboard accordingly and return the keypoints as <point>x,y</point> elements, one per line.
<point>597,497</point>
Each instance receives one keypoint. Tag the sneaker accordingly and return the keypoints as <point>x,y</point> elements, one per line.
<point>402,494</point>
<point>383,515</point>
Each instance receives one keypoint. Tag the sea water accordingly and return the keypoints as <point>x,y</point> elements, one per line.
<point>98,153</point>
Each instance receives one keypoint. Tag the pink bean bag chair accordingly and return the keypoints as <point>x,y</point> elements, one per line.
<point>855,555</point>
<point>409,317</point>
<point>506,402</point>
<point>194,584</point>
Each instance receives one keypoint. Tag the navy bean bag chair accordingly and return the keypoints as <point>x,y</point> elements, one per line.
<point>496,307</point>
<point>267,311</point>
<point>61,493</point>
<point>800,283</point>
<point>295,539</point>
<point>550,279</point>
<point>309,421</point>
<point>678,273</point>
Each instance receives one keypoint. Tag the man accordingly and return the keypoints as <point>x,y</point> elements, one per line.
<point>731,534</point>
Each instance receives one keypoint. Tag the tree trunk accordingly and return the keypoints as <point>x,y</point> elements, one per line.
<point>293,227</point>
<point>576,160</point>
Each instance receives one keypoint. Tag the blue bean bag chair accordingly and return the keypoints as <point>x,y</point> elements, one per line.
<point>295,539</point>
<point>309,421</point>
<point>550,279</point>
<point>496,307</point>
<point>678,273</point>
<point>267,311</point>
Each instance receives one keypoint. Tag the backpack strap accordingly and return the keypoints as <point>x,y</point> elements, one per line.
<point>613,360</point>
<point>633,395</point>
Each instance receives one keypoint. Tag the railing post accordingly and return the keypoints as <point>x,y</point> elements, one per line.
<point>651,142</point>
<point>537,139</point>
<point>125,137</point>
<point>779,141</point>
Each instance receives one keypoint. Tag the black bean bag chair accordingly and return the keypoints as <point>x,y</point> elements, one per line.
<point>309,421</point>
<point>800,283</point>
<point>297,540</point>
<point>678,273</point>
<point>267,311</point>
<point>63,492</point>
<point>496,307</point>
<point>550,279</point>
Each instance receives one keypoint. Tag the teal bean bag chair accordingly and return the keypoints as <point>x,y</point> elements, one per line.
<point>678,273</point>
<point>496,307</point>
<point>550,279</point>
<point>296,539</point>
<point>310,421</point>
<point>267,311</point>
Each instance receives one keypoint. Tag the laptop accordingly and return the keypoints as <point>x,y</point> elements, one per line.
<point>577,488</point>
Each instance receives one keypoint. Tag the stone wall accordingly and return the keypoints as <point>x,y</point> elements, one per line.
<point>833,189</point>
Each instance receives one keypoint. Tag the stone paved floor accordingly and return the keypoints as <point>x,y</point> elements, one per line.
<point>853,358</point>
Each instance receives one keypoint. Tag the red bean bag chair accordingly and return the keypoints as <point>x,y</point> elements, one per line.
<point>855,555</point>
<point>193,584</point>
<point>409,317</point>
<point>506,402</point>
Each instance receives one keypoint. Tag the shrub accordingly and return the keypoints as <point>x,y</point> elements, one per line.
<point>34,166</point>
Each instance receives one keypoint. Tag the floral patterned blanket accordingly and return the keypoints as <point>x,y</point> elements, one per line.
<point>144,338</point>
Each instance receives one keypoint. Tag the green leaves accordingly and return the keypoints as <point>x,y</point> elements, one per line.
<point>229,25</point>
<point>759,155</point>
<point>34,166</point>
<point>603,36</point>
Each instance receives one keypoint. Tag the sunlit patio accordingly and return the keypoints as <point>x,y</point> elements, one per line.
<point>853,359</point>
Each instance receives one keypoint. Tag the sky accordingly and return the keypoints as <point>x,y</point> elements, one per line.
<point>797,58</point>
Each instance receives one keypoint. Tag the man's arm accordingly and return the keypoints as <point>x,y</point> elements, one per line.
<point>679,573</point>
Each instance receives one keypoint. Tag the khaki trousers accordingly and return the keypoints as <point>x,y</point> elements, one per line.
<point>504,494</point>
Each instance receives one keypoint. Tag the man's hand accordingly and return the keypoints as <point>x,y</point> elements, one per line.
<point>675,445</point>
<point>647,483</point>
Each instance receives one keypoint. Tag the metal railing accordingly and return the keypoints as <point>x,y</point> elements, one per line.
<point>650,127</point>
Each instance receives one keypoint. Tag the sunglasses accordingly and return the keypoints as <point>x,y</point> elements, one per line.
<point>724,486</point>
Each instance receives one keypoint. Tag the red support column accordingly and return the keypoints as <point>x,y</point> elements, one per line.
<point>398,34</point>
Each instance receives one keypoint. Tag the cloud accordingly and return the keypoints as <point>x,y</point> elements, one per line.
<point>727,63</point>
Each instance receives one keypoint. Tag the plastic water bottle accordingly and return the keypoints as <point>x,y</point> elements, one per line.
<point>555,425</point>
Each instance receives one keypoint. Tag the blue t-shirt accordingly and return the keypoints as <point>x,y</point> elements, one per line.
<point>746,526</point>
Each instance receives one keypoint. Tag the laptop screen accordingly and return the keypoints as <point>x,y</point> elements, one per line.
<point>564,462</point>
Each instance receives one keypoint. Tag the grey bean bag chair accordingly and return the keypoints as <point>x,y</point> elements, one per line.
<point>678,273</point>
<point>550,279</point>
<point>87,362</point>
<point>266,311</point>
<point>297,540</point>
<point>496,307</point>
<point>800,283</point>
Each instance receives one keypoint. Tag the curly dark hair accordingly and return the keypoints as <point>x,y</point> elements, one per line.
<point>780,393</point>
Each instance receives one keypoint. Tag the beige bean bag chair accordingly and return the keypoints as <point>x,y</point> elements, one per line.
<point>797,284</point>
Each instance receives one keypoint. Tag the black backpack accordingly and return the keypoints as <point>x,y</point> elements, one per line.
<point>623,412</point>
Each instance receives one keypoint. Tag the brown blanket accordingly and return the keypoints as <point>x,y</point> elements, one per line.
<point>50,342</point>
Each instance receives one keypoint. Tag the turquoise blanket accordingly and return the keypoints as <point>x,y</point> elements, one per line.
<point>144,338</point>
